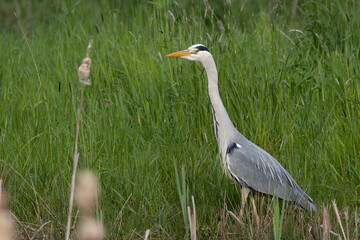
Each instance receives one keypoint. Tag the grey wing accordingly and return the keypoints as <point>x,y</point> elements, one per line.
<point>254,168</point>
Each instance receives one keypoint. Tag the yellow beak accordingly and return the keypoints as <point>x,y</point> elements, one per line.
<point>179,53</point>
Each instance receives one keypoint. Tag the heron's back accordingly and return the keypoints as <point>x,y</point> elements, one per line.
<point>252,167</point>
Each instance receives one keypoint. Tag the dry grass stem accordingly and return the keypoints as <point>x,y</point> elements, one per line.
<point>237,219</point>
<point>171,14</point>
<point>39,229</point>
<point>147,234</point>
<point>338,218</point>
<point>346,215</point>
<point>83,74</point>
<point>220,25</point>
<point>326,224</point>
<point>192,219</point>
<point>349,80</point>
<point>257,219</point>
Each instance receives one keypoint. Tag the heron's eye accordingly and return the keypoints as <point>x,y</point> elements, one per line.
<point>196,51</point>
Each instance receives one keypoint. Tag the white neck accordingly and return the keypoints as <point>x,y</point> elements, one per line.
<point>224,128</point>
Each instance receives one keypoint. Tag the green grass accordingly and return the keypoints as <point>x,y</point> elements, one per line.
<point>284,90</point>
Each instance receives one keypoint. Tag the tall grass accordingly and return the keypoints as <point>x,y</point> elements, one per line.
<point>183,192</point>
<point>282,78</point>
<point>278,218</point>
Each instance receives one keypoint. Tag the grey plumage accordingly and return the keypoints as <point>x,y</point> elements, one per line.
<point>245,163</point>
<point>252,167</point>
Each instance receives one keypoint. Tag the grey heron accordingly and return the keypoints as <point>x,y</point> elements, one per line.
<point>248,165</point>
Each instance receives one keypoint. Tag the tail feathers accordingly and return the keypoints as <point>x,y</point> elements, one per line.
<point>310,205</point>
<point>305,202</point>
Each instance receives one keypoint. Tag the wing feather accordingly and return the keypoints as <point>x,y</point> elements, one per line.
<point>254,168</point>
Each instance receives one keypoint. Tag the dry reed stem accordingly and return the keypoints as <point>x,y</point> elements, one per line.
<point>147,234</point>
<point>338,218</point>
<point>222,223</point>
<point>83,73</point>
<point>192,220</point>
<point>237,219</point>
<point>346,215</point>
<point>39,229</point>
<point>257,219</point>
<point>326,224</point>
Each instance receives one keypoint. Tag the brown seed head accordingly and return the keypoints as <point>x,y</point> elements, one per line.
<point>90,229</point>
<point>86,192</point>
<point>84,71</point>
<point>6,226</point>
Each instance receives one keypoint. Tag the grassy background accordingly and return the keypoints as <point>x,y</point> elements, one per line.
<point>282,77</point>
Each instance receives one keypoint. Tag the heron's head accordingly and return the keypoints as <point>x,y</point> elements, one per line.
<point>196,52</point>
